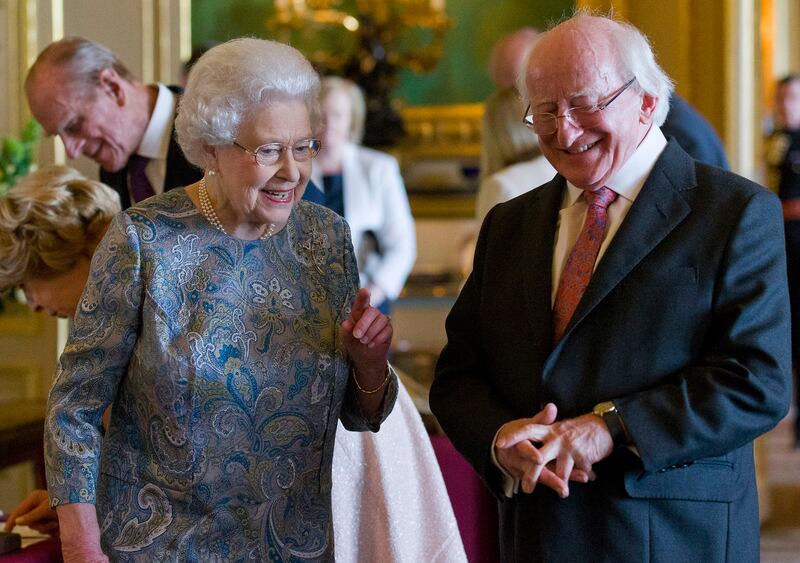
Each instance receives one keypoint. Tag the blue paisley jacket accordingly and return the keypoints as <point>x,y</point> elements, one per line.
<point>223,362</point>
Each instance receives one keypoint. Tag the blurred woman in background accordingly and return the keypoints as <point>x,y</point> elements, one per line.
<point>389,499</point>
<point>365,187</point>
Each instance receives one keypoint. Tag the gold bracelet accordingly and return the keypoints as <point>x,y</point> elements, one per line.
<point>370,391</point>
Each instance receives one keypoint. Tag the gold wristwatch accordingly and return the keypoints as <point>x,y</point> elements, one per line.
<point>608,412</point>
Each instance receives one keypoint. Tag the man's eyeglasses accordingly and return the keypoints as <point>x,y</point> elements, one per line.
<point>584,117</point>
<point>269,154</point>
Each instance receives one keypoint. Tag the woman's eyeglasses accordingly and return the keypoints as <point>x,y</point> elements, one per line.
<point>270,153</point>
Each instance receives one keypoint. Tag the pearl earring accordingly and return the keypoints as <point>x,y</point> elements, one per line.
<point>212,172</point>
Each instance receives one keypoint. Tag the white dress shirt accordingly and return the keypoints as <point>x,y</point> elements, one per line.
<point>155,142</point>
<point>627,183</point>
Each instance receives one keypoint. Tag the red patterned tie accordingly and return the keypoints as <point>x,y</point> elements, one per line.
<point>578,269</point>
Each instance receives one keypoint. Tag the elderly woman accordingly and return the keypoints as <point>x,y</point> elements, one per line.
<point>222,322</point>
<point>365,187</point>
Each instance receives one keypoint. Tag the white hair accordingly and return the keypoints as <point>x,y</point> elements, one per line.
<point>635,58</point>
<point>233,79</point>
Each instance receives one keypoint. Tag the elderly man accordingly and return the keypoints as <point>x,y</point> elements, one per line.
<point>79,90</point>
<point>625,327</point>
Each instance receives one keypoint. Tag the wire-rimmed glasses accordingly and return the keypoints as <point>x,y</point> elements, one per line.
<point>584,117</point>
<point>270,153</point>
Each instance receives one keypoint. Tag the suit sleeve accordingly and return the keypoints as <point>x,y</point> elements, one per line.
<point>462,396</point>
<point>741,386</point>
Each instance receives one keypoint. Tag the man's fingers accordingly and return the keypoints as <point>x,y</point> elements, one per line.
<point>579,476</point>
<point>517,433</point>
<point>552,481</point>
<point>545,416</point>
<point>564,465</point>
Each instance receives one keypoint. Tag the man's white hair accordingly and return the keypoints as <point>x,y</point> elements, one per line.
<point>635,58</point>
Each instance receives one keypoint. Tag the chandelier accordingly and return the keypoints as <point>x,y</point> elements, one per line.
<point>369,42</point>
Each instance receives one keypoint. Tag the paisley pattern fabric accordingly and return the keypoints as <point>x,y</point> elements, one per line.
<point>222,360</point>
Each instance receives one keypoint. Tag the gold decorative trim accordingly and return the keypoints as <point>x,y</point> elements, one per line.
<point>57,29</point>
<point>12,61</point>
<point>148,38</point>
<point>185,29</point>
<point>442,131</point>
<point>164,41</point>
<point>57,15</point>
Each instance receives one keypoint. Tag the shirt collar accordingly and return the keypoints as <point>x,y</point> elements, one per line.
<point>155,142</point>
<point>630,178</point>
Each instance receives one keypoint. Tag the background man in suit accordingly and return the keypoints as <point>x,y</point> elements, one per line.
<point>81,91</point>
<point>694,133</point>
<point>625,326</point>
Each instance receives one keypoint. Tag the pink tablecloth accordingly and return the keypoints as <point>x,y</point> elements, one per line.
<point>473,505</point>
<point>47,551</point>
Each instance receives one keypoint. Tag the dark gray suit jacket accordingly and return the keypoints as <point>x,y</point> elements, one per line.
<point>685,325</point>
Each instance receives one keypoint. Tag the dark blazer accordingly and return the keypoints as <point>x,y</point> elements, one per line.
<point>180,172</point>
<point>685,325</point>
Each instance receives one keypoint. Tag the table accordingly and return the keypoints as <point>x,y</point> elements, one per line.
<point>22,435</point>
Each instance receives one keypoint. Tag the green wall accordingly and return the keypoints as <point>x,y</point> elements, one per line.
<point>459,78</point>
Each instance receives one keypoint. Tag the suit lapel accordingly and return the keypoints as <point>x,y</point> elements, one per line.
<point>539,228</point>
<point>658,209</point>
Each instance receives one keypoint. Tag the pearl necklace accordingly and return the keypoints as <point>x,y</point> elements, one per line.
<point>208,211</point>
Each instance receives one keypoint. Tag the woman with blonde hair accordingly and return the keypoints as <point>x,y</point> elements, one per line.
<point>50,224</point>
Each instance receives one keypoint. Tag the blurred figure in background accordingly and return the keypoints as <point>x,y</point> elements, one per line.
<point>388,481</point>
<point>365,187</point>
<point>783,161</point>
<point>511,162</point>
<point>694,133</point>
<point>81,91</point>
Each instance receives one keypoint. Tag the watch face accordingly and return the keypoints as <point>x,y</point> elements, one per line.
<point>604,407</point>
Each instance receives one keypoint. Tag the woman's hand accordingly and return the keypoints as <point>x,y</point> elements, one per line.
<point>80,533</point>
<point>35,512</point>
<point>367,337</point>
